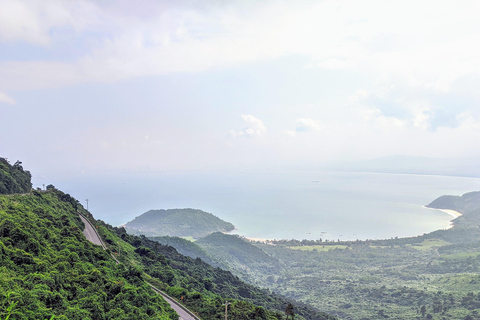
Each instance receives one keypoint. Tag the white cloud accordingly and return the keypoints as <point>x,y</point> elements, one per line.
<point>378,121</point>
<point>422,119</point>
<point>305,124</point>
<point>6,99</point>
<point>253,127</point>
<point>35,21</point>
<point>123,41</point>
<point>290,133</point>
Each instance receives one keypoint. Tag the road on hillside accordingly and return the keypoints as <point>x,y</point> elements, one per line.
<point>93,237</point>
<point>90,233</point>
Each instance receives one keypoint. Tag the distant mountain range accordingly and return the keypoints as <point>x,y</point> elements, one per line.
<point>177,222</point>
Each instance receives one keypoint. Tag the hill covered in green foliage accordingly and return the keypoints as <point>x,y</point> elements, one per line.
<point>177,222</point>
<point>464,204</point>
<point>48,270</point>
<point>190,249</point>
<point>204,287</point>
<point>239,254</point>
<point>13,179</point>
<point>432,276</point>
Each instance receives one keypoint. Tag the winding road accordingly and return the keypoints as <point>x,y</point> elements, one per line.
<point>92,236</point>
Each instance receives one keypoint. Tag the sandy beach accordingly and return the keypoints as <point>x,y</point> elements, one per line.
<point>258,239</point>
<point>454,214</point>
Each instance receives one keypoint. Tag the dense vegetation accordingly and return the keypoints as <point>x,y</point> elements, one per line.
<point>434,276</point>
<point>177,222</point>
<point>239,254</point>
<point>465,203</point>
<point>203,287</point>
<point>48,268</point>
<point>13,179</point>
<point>189,249</point>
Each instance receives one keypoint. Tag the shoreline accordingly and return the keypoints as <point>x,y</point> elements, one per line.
<point>452,213</point>
<point>263,240</point>
<point>251,239</point>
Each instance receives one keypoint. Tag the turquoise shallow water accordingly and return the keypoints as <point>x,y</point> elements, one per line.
<point>281,205</point>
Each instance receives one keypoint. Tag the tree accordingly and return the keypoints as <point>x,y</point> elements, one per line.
<point>289,311</point>
<point>423,309</point>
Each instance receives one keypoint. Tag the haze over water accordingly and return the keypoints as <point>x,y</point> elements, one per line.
<point>282,205</point>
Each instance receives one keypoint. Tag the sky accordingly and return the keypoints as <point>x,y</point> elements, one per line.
<point>108,86</point>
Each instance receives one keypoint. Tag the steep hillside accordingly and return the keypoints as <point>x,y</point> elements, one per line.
<point>464,204</point>
<point>48,268</point>
<point>13,179</point>
<point>239,254</point>
<point>189,249</point>
<point>205,287</point>
<point>177,222</point>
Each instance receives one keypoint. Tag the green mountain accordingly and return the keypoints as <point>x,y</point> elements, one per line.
<point>173,269</point>
<point>48,270</point>
<point>464,204</point>
<point>239,254</point>
<point>177,222</point>
<point>13,179</point>
<point>189,249</point>
<point>467,204</point>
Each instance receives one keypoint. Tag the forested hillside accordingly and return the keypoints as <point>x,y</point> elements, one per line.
<point>177,222</point>
<point>464,204</point>
<point>48,269</point>
<point>203,287</point>
<point>13,179</point>
<point>189,249</point>
<point>239,254</point>
<point>433,276</point>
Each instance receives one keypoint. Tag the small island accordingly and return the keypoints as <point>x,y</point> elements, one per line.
<point>177,222</point>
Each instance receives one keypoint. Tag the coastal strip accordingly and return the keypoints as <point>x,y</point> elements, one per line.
<point>454,214</point>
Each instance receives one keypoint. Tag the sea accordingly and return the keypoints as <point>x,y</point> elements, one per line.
<point>279,205</point>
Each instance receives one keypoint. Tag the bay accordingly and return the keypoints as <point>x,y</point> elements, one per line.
<point>280,205</point>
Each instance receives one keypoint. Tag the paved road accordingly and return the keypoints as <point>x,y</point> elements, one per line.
<point>184,315</point>
<point>90,233</point>
<point>92,236</point>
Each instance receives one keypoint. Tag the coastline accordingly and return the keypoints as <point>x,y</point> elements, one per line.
<point>450,224</point>
<point>454,214</point>
<point>263,240</point>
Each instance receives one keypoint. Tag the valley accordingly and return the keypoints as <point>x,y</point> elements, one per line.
<point>434,275</point>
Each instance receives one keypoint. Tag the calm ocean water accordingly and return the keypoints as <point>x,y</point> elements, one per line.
<point>281,205</point>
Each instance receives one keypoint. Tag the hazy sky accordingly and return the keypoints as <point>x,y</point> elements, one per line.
<point>203,85</point>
